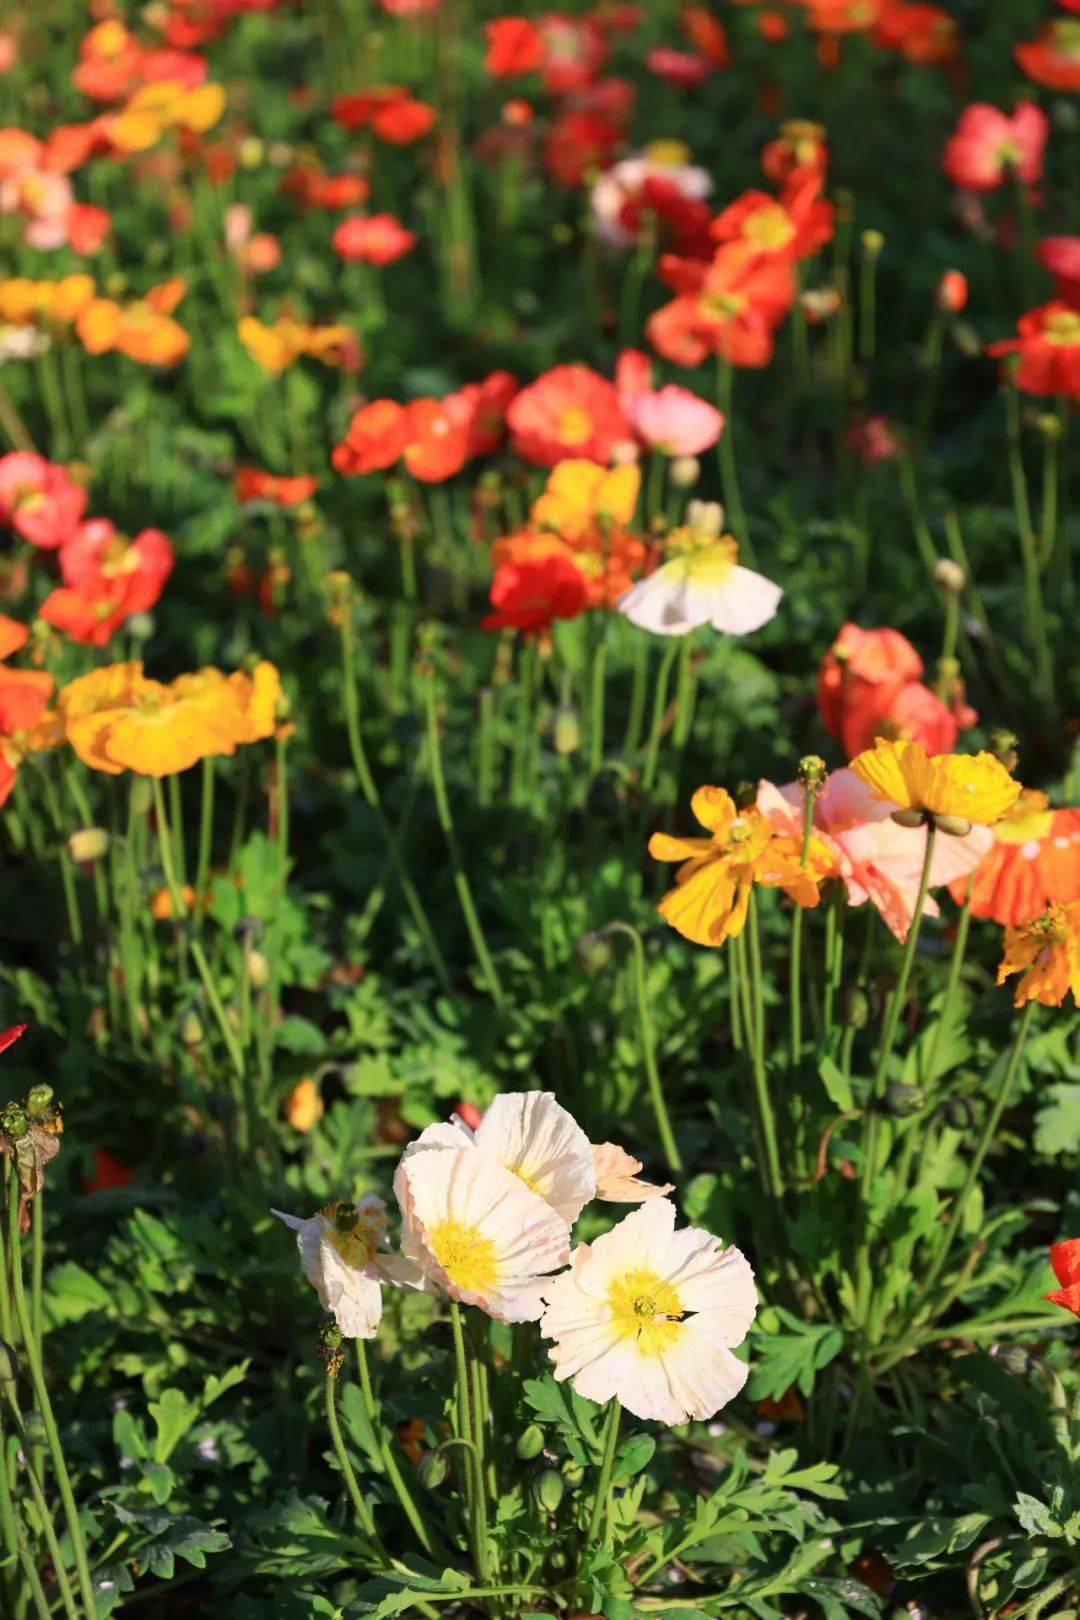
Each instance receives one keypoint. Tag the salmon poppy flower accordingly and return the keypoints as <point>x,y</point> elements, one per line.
<point>1034,862</point>
<point>684,70</point>
<point>569,411</point>
<point>1052,59</point>
<point>711,897</point>
<point>1046,954</point>
<point>989,147</point>
<point>951,294</point>
<point>921,33</point>
<point>674,421</point>
<point>1048,348</point>
<point>869,685</point>
<point>539,585</point>
<point>972,788</point>
<point>373,238</point>
<point>346,1257</point>
<point>515,46</point>
<point>39,500</point>
<point>253,484</point>
<point>730,307</point>
<point>107,578</point>
<point>436,441</point>
<point>1065,1263</point>
<point>1061,256</point>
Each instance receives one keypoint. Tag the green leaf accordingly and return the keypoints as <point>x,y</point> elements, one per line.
<point>1057,1122</point>
<point>174,1415</point>
<point>1035,1516</point>
<point>632,1457</point>
<point>836,1083</point>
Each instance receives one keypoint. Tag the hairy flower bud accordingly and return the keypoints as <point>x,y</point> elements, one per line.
<point>547,1489</point>
<point>856,1007</point>
<point>432,1468</point>
<point>684,472</point>
<point>909,818</point>
<point>567,730</point>
<point>902,1100</point>
<point>950,576</point>
<point>88,844</point>
<point>530,1442</point>
<point>39,1100</point>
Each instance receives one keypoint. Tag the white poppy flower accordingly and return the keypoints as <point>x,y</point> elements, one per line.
<point>344,1252</point>
<point>701,582</point>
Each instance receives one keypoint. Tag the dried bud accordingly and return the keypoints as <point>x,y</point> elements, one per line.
<point>432,1469</point>
<point>950,576</point>
<point>812,772</point>
<point>1003,745</point>
<point>249,930</point>
<point>684,472</point>
<point>13,1122</point>
<point>548,1489</point>
<point>328,1348</point>
<point>530,1442</point>
<point>901,1101</point>
<point>593,952</point>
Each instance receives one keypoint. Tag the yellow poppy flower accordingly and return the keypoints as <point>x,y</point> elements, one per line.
<point>1046,953</point>
<point>580,493</point>
<point>970,787</point>
<point>712,888</point>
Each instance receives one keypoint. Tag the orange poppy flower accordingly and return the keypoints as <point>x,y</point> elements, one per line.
<point>1048,346</point>
<point>252,484</point>
<point>1065,1261</point>
<point>796,224</point>
<point>277,347</point>
<point>534,587</point>
<point>1053,57</point>
<point>1034,862</point>
<point>730,307</point>
<point>1046,954</point>
<point>375,439</point>
<point>437,441</point>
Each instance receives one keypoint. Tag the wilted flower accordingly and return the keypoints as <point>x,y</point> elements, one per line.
<point>1046,954</point>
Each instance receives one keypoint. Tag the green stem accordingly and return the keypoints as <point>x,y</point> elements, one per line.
<point>363,1512</point>
<point>795,968</point>
<point>648,1047</point>
<point>600,1506</point>
<point>729,472</point>
<point>474,1482</point>
<point>596,692</point>
<point>461,880</point>
<point>1034,614</point>
<point>386,1448</point>
<point>750,976</point>
<point>652,752</point>
<point>206,831</point>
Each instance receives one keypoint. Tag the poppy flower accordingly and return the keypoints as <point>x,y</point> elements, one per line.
<point>303,1107</point>
<point>375,439</point>
<point>973,788</point>
<point>921,33</point>
<point>107,578</point>
<point>568,411</point>
<point>869,685</point>
<point>275,348</point>
<point>1052,59</point>
<point>952,292</point>
<point>312,188</point>
<point>701,582</point>
<point>580,495</point>
<point>1061,256</point>
<point>481,408</point>
<point>109,1173</point>
<point>532,591</point>
<point>730,307</point>
<point>575,50</point>
<point>800,145</point>
<point>1034,862</point>
<point>674,421</point>
<point>1046,954</point>
<point>1065,1263</point>
<point>514,46</point>
<point>579,144</point>
<point>9,1036</point>
<point>989,147</point>
<point>144,330</point>
<point>705,33</point>
<point>373,238</point>
<point>797,223</point>
<point>38,499</point>
<point>659,183</point>
<point>253,484</point>
<point>684,70</point>
<point>346,1257</point>
<point>875,859</point>
<point>389,111</point>
<point>436,441</point>
<point>1048,347</point>
<point>24,693</point>
<point>648,1315</point>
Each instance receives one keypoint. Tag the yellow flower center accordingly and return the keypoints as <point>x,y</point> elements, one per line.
<point>769,227</point>
<point>720,306</point>
<point>1063,326</point>
<point>706,558</point>
<point>1066,37</point>
<point>647,1308</point>
<point>668,154</point>
<point>575,425</point>
<point>466,1255</point>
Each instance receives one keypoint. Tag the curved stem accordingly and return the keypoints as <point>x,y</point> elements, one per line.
<point>363,1512</point>
<point>603,1480</point>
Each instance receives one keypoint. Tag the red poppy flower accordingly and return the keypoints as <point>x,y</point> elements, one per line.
<point>568,411</point>
<point>921,33</point>
<point>730,307</point>
<point>683,69</point>
<point>437,441</point>
<point>252,484</point>
<point>313,189</point>
<point>374,439</point>
<point>1053,57</point>
<point>38,499</point>
<point>1065,1261</point>
<point>1048,344</point>
<point>514,46</point>
<point>530,593</point>
<point>989,146</point>
<point>579,144</point>
<point>107,578</point>
<point>574,52</point>
<point>1034,862</point>
<point>389,111</point>
<point>481,408</point>
<point>373,238</point>
<point>705,33</point>
<point>797,223</point>
<point>1061,256</point>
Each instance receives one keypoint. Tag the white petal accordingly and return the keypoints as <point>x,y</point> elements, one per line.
<point>743,602</point>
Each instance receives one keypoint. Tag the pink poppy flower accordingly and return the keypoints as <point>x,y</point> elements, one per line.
<point>878,860</point>
<point>988,146</point>
<point>674,421</point>
<point>683,69</point>
<point>38,500</point>
<point>373,238</point>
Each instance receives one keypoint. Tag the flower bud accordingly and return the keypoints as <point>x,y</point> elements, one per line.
<point>625,453</point>
<point>328,1348</point>
<point>812,772</point>
<point>567,732</point>
<point>593,952</point>
<point>13,1123</point>
<point>432,1468</point>
<point>547,1489</point>
<point>705,517</point>
<point>530,1442</point>
<point>954,826</point>
<point>258,969</point>
<point>684,472</point>
<point>959,1113</point>
<point>952,292</point>
<point>34,1428</point>
<point>872,243</point>
<point>303,1106</point>
<point>191,1030</point>
<point>909,818</point>
<point>1003,745</point>
<point>1013,1359</point>
<point>39,1100</point>
<point>856,1009</point>
<point>88,844</point>
<point>902,1101</point>
<point>950,576</point>
<point>573,1473</point>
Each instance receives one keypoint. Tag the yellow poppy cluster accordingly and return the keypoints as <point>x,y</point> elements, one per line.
<point>24,302</point>
<point>118,719</point>
<point>165,104</point>
<point>276,347</point>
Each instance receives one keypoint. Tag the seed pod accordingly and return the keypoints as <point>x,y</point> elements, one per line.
<point>901,1100</point>
<point>530,1442</point>
<point>13,1122</point>
<point>547,1489</point>
<point>432,1469</point>
<point>39,1100</point>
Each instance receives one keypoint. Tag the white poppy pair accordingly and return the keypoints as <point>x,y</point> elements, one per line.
<point>645,1312</point>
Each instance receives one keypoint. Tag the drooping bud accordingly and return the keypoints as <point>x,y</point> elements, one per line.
<point>432,1468</point>
<point>902,1100</point>
<point>548,1489</point>
<point>855,1007</point>
<point>593,952</point>
<point>258,969</point>
<point>191,1029</point>
<point>950,576</point>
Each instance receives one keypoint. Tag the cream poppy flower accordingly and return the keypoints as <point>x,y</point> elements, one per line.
<point>344,1252</point>
<point>533,1136</point>
<point>477,1231</point>
<point>701,582</point>
<point>650,1315</point>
